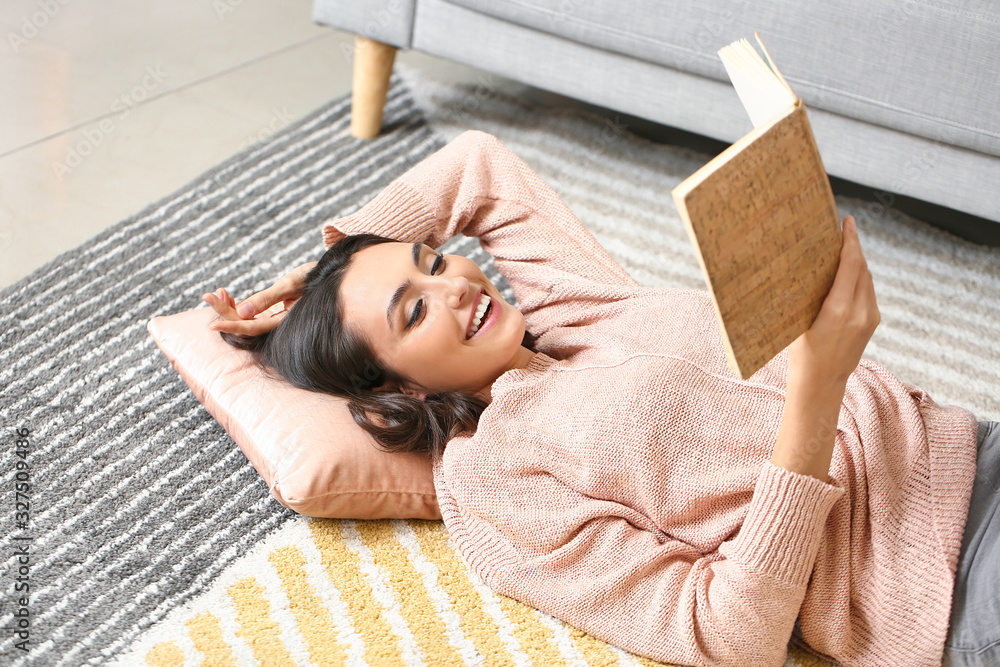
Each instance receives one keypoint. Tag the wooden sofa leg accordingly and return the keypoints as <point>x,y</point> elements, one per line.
<point>372,69</point>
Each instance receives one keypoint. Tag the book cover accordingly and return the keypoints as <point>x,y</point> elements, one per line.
<point>763,222</point>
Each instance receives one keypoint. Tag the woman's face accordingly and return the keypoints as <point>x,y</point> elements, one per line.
<point>417,308</point>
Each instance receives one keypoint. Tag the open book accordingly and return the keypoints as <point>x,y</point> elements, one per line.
<point>762,218</point>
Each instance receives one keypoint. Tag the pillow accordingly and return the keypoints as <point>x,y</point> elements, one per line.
<point>315,459</point>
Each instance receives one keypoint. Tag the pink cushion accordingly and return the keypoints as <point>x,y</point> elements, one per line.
<point>306,446</point>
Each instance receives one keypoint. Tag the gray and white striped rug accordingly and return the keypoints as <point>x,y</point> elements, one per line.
<point>136,500</point>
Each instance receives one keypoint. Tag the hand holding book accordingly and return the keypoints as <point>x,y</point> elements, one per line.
<point>820,361</point>
<point>829,351</point>
<point>765,228</point>
<point>762,219</point>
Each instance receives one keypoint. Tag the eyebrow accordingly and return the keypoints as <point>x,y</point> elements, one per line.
<point>397,296</point>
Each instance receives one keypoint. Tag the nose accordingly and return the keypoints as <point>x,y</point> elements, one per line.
<point>455,288</point>
<point>451,291</point>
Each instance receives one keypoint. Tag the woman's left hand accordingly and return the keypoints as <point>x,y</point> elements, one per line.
<point>277,300</point>
<point>224,304</point>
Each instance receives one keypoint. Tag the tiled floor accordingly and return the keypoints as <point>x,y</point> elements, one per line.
<point>108,105</point>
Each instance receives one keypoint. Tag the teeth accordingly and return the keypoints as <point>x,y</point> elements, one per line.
<point>483,303</point>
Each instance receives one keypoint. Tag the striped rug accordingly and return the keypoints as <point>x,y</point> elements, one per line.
<point>145,537</point>
<point>326,592</point>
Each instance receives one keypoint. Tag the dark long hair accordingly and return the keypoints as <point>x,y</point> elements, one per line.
<point>312,349</point>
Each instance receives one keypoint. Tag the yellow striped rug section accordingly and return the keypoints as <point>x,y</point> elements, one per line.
<point>206,634</point>
<point>367,593</point>
<point>315,622</point>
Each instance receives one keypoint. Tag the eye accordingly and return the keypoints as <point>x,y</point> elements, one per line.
<point>419,308</point>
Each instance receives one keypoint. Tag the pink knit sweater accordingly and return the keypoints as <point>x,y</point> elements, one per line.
<point>622,481</point>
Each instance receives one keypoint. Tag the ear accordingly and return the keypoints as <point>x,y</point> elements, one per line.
<point>401,390</point>
<point>420,395</point>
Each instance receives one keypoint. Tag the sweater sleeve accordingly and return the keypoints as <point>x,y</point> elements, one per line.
<point>600,567</point>
<point>477,187</point>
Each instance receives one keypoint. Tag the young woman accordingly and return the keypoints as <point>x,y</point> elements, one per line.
<point>608,468</point>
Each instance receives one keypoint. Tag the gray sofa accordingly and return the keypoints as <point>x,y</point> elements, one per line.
<point>903,95</point>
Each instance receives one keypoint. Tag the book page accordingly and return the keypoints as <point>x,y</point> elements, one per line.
<point>770,62</point>
<point>761,88</point>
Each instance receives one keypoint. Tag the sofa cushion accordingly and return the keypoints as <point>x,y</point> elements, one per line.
<point>926,69</point>
<point>387,21</point>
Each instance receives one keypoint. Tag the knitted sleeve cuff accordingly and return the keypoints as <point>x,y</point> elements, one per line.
<point>784,524</point>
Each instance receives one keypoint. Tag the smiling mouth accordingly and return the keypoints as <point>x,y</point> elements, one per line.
<point>480,315</point>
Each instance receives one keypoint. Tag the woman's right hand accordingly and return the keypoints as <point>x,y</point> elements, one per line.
<point>831,348</point>
<point>820,362</point>
<point>242,319</point>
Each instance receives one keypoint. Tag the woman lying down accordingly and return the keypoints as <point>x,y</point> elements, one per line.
<point>608,468</point>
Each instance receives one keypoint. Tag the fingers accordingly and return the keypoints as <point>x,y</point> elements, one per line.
<point>865,286</point>
<point>252,327</point>
<point>273,298</point>
<point>851,270</point>
<point>851,300</point>
<point>832,347</point>
<point>286,290</point>
<point>853,294</point>
<point>226,306</point>
<point>256,303</point>
<point>864,291</point>
<point>867,302</point>
<point>222,303</point>
<point>230,320</point>
<point>246,318</point>
<point>851,259</point>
